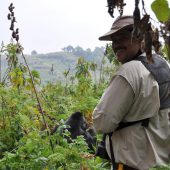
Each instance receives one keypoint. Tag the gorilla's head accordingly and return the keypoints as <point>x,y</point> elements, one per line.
<point>77,120</point>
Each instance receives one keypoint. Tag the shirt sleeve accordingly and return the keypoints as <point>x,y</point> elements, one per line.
<point>113,105</point>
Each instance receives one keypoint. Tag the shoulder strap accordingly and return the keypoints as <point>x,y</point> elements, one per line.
<point>159,69</point>
<point>144,122</point>
<point>111,152</point>
<point>161,72</point>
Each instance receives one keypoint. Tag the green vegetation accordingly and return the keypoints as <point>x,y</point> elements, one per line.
<point>33,101</point>
<point>25,140</point>
<point>52,66</point>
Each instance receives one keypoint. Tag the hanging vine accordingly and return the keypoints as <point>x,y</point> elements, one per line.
<point>143,29</point>
<point>112,4</point>
<point>15,36</point>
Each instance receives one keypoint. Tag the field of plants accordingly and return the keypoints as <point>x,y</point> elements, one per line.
<point>29,111</point>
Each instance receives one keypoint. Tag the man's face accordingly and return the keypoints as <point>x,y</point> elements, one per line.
<point>124,48</point>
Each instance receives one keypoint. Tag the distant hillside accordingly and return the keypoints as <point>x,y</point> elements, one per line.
<point>60,61</point>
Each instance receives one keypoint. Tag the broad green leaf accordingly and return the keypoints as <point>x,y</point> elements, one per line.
<point>161,10</point>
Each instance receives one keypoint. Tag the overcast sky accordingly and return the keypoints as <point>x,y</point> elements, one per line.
<point>49,25</point>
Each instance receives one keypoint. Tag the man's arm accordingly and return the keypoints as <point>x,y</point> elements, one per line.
<point>113,105</point>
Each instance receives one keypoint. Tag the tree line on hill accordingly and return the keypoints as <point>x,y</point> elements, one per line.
<point>79,51</point>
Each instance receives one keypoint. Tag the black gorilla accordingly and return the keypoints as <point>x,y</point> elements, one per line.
<point>77,125</point>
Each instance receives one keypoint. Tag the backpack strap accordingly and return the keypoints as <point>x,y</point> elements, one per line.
<point>161,72</point>
<point>144,122</point>
<point>111,151</point>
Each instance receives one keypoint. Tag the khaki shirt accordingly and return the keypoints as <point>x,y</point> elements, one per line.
<point>132,95</point>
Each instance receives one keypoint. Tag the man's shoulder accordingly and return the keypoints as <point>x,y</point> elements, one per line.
<point>134,72</point>
<point>132,67</point>
<point>137,75</point>
<point>133,63</point>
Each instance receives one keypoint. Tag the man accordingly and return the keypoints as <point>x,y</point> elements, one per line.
<point>134,107</point>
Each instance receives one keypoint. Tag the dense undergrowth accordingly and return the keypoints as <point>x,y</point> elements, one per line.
<point>29,111</point>
<point>26,119</point>
<point>26,123</point>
